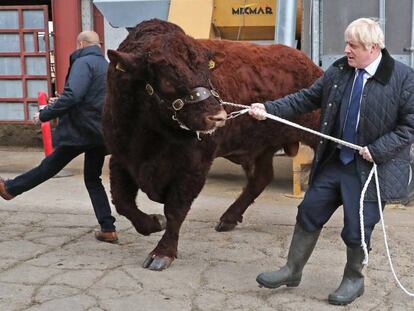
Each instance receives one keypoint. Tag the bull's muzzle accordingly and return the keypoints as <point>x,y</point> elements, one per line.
<point>218,119</point>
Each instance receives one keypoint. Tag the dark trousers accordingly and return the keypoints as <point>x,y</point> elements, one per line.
<point>337,184</point>
<point>55,162</point>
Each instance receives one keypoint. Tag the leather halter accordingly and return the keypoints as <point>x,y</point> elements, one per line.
<point>196,95</point>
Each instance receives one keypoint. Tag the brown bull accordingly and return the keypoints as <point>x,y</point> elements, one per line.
<point>164,126</point>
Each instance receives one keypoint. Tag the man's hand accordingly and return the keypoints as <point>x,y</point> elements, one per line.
<point>364,152</point>
<point>257,111</point>
<point>36,119</point>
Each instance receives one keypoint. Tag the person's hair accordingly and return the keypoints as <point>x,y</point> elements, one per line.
<point>366,31</point>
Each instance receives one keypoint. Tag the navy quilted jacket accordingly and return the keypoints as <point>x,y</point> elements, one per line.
<point>80,106</point>
<point>386,123</point>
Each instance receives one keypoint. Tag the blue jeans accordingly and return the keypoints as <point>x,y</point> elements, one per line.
<point>55,162</point>
<point>335,185</point>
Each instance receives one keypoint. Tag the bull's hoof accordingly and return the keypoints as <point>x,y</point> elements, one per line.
<point>162,220</point>
<point>223,226</point>
<point>157,263</point>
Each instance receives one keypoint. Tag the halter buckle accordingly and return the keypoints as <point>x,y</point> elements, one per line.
<point>214,93</point>
<point>178,104</point>
<point>149,89</point>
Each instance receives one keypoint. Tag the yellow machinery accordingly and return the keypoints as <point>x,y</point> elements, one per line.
<point>245,20</point>
<point>228,19</point>
<point>248,19</point>
<point>194,16</point>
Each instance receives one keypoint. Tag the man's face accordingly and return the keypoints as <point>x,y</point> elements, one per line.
<point>358,56</point>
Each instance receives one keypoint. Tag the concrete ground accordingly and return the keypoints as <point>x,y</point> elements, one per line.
<point>49,259</point>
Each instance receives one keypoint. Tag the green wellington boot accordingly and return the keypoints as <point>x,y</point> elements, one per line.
<point>352,285</point>
<point>301,247</point>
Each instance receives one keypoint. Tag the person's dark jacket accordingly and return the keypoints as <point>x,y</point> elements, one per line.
<point>79,107</point>
<point>386,123</point>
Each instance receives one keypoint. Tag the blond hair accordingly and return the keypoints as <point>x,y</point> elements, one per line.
<point>366,31</point>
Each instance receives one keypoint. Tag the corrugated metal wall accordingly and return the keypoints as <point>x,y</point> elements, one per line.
<point>325,22</point>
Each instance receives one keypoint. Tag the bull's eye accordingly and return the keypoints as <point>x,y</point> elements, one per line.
<point>166,87</point>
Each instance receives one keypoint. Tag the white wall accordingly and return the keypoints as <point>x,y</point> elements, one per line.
<point>113,36</point>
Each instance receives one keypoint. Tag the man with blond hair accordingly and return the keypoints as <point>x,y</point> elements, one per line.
<point>79,109</point>
<point>366,98</point>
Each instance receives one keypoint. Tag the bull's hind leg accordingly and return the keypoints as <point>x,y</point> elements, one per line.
<point>259,175</point>
<point>124,192</point>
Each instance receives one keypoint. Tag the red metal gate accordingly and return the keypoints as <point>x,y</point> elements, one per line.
<point>24,61</point>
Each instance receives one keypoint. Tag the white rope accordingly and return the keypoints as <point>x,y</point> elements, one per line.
<point>273,117</point>
<point>373,172</point>
<point>411,294</point>
<point>361,215</point>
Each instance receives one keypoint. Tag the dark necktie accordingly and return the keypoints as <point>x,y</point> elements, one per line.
<point>349,134</point>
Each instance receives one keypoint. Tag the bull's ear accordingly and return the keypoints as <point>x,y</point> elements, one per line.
<point>125,62</point>
<point>216,60</point>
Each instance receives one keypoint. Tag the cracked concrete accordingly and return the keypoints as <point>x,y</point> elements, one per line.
<point>49,259</point>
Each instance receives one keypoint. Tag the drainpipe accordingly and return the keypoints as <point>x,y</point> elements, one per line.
<point>286,22</point>
<point>382,15</point>
<point>315,28</point>
<point>411,47</point>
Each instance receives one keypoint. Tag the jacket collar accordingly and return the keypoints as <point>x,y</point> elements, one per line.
<point>384,71</point>
<point>89,50</point>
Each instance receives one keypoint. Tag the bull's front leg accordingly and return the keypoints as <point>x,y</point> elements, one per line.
<point>178,203</point>
<point>124,192</point>
<point>166,250</point>
<point>259,175</point>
